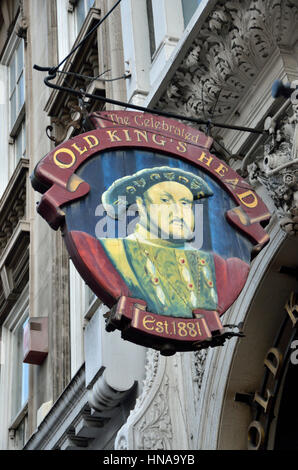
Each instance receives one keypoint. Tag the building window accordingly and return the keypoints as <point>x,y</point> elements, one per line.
<point>71,15</point>
<point>14,380</point>
<point>77,310</point>
<point>20,433</point>
<point>16,105</point>
<point>16,85</point>
<point>20,143</point>
<point>21,370</point>
<point>82,8</point>
<point>83,304</point>
<point>189,7</point>
<point>151,27</point>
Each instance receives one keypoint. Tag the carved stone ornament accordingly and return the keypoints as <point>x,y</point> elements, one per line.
<point>231,48</point>
<point>68,112</point>
<point>278,170</point>
<point>70,117</point>
<point>198,366</point>
<point>166,410</point>
<point>147,424</point>
<point>22,23</point>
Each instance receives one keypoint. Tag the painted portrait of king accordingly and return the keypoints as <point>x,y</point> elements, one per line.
<point>158,262</point>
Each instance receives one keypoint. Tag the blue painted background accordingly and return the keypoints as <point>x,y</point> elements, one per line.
<point>103,169</point>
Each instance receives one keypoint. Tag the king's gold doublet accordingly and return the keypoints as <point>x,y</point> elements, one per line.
<point>172,281</point>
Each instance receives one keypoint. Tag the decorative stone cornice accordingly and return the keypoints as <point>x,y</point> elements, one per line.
<point>14,239</point>
<point>236,41</point>
<point>277,169</point>
<point>13,204</point>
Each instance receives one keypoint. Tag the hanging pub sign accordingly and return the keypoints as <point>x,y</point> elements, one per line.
<point>159,228</point>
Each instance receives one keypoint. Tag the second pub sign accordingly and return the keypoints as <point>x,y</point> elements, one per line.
<point>160,229</point>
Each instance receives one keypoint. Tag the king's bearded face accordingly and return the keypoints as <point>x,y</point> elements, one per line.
<point>166,211</point>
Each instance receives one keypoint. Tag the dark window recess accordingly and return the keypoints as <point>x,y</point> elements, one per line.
<point>151,27</point>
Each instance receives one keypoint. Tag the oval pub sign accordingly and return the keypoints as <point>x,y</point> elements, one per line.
<point>159,228</point>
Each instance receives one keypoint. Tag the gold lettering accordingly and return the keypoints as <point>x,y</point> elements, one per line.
<point>248,194</point>
<point>124,120</point>
<point>68,152</point>
<point>78,149</point>
<point>264,402</point>
<point>141,133</point>
<point>120,120</point>
<point>161,142</point>
<point>113,136</point>
<point>164,126</point>
<point>127,136</point>
<point>112,117</point>
<point>291,307</point>
<point>273,361</point>
<point>166,327</point>
<point>89,139</point>
<point>159,327</point>
<point>182,329</point>
<point>191,329</point>
<point>137,119</point>
<point>146,320</point>
<point>256,435</point>
<point>195,138</point>
<point>181,147</point>
<point>221,170</point>
<point>207,160</point>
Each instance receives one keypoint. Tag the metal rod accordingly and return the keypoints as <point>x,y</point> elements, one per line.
<point>141,108</point>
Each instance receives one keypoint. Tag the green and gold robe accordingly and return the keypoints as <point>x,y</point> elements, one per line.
<point>172,281</point>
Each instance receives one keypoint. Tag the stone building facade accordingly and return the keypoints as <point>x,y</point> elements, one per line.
<point>206,59</point>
